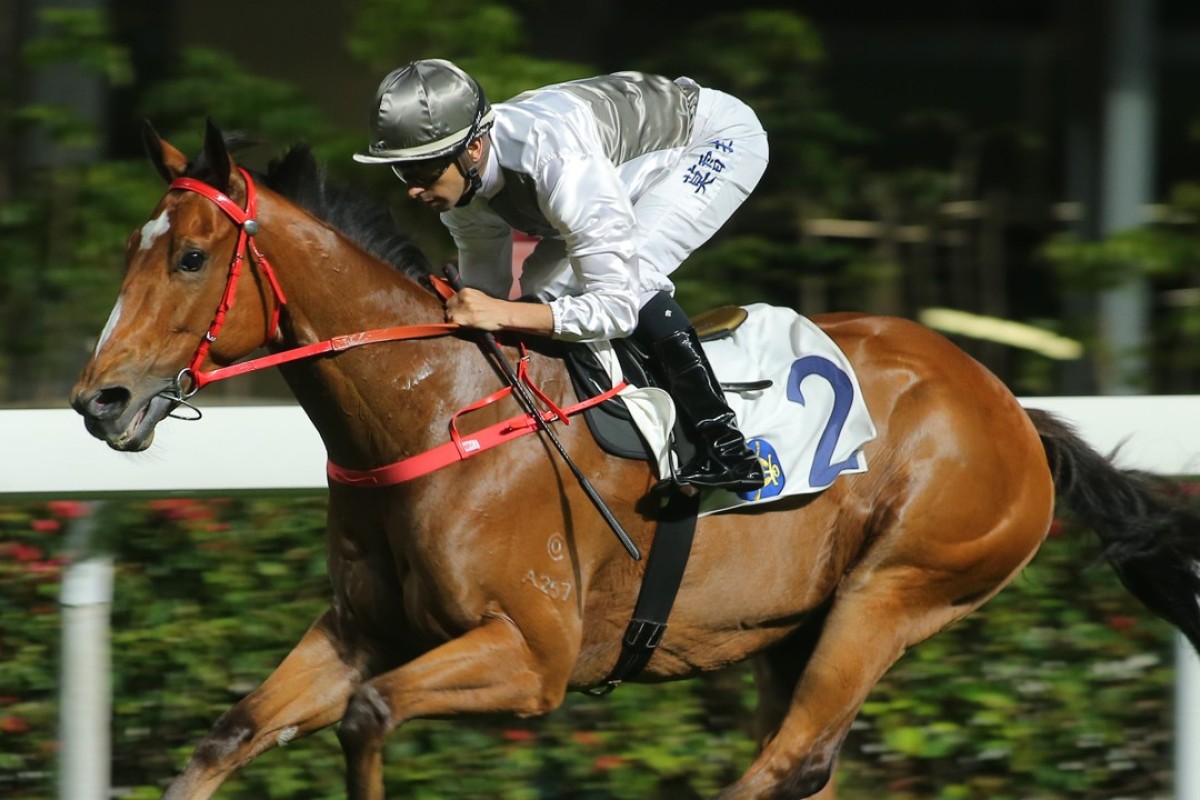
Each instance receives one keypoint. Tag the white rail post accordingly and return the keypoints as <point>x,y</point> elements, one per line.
<point>1187,721</point>
<point>85,770</point>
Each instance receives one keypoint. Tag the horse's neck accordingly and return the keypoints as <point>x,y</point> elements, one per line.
<point>334,288</point>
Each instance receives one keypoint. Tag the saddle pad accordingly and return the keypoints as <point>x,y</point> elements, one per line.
<point>808,427</point>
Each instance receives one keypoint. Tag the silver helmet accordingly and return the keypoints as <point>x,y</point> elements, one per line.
<point>428,109</point>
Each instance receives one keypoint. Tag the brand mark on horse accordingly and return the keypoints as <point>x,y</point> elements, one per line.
<point>559,590</point>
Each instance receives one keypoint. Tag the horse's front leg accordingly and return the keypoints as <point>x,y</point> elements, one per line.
<point>307,691</point>
<point>491,669</point>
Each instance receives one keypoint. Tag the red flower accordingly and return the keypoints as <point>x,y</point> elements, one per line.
<point>1056,529</point>
<point>605,763</point>
<point>49,567</point>
<point>24,552</point>
<point>45,525</point>
<point>184,509</point>
<point>587,738</point>
<point>13,724</point>
<point>1121,622</point>
<point>67,509</point>
<point>175,508</point>
<point>519,735</point>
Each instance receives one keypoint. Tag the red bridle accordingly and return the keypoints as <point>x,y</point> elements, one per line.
<point>247,224</point>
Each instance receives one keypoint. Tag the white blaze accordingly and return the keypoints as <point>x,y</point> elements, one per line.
<point>153,229</point>
<point>108,326</point>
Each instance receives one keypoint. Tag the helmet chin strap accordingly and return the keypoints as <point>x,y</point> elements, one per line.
<point>470,172</point>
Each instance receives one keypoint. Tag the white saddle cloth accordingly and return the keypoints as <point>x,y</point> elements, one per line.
<point>808,427</point>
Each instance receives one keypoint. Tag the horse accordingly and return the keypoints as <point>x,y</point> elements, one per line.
<point>492,586</point>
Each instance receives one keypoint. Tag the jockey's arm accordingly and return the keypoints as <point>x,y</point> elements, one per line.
<point>484,259</point>
<point>476,309</point>
<point>584,199</point>
<point>582,196</point>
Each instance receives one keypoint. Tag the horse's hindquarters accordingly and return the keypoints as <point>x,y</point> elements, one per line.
<point>957,498</point>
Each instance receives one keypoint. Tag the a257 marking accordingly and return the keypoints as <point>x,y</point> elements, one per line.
<point>558,590</point>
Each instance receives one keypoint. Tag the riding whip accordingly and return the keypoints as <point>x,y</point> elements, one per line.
<point>530,407</point>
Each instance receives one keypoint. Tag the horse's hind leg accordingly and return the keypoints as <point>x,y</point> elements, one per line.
<point>880,611</point>
<point>864,635</point>
<point>776,673</point>
<point>307,691</point>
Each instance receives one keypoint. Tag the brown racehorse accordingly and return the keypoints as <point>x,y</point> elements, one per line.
<point>434,609</point>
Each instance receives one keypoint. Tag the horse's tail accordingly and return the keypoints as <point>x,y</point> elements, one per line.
<point>1150,538</point>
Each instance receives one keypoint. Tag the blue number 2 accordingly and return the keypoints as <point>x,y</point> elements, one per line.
<point>822,472</point>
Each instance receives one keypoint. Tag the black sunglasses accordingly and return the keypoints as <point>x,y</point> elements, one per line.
<point>422,173</point>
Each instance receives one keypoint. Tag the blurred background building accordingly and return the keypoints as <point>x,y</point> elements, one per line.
<point>1019,161</point>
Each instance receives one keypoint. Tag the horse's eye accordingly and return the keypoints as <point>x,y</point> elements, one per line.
<point>192,260</point>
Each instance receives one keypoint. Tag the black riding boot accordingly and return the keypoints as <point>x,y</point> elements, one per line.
<point>723,460</point>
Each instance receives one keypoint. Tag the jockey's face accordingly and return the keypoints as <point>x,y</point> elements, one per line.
<point>440,193</point>
<point>441,190</point>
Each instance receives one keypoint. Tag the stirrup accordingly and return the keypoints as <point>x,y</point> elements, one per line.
<point>671,483</point>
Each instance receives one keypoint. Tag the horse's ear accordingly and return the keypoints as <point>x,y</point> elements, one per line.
<point>217,155</point>
<point>169,162</point>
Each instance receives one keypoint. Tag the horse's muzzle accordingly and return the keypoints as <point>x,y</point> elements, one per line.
<point>111,415</point>
<point>105,404</point>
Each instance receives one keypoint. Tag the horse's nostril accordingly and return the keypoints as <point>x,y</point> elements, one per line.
<point>109,402</point>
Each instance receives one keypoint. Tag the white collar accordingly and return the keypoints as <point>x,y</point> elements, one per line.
<point>491,178</point>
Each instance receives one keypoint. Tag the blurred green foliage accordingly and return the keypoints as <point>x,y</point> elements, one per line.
<point>1059,688</point>
<point>62,223</point>
<point>64,275</point>
<point>485,38</point>
<point>1165,254</point>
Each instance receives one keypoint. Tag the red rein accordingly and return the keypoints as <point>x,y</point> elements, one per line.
<point>457,449</point>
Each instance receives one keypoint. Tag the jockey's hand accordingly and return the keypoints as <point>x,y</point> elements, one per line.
<point>472,308</point>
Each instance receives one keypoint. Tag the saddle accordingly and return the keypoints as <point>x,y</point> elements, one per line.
<point>610,422</point>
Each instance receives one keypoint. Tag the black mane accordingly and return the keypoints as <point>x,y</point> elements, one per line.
<point>298,177</point>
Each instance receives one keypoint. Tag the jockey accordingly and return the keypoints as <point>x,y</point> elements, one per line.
<point>620,176</point>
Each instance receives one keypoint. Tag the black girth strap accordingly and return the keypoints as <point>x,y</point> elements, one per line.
<point>660,584</point>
